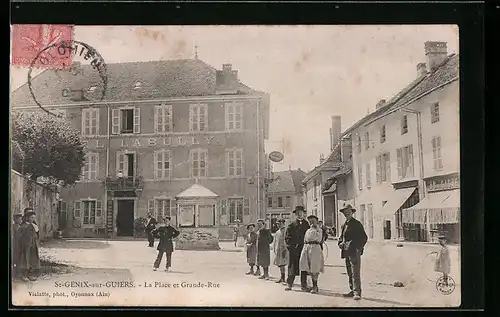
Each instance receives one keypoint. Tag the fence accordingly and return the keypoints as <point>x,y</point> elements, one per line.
<point>41,199</point>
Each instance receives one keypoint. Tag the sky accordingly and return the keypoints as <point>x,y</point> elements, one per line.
<point>310,72</point>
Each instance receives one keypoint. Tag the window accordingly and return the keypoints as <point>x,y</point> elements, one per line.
<point>235,162</point>
<point>367,140</point>
<point>315,196</point>
<point>199,162</point>
<point>91,166</point>
<point>383,167</point>
<point>362,209</point>
<point>368,176</point>
<point>89,209</point>
<point>186,216</point>
<point>206,215</point>
<point>160,208</point>
<point>269,201</point>
<point>360,177</point>
<point>435,112</point>
<point>288,201</point>
<point>280,202</point>
<point>163,119</point>
<point>235,209</point>
<point>358,144</point>
<point>382,133</point>
<point>405,162</point>
<point>127,120</point>
<point>162,163</point>
<point>90,121</point>
<point>234,116</point>
<point>404,124</point>
<point>125,162</point>
<point>436,153</point>
<point>197,118</point>
<point>369,216</point>
<point>275,202</point>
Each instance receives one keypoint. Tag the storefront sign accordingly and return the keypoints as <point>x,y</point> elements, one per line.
<point>156,142</point>
<point>439,183</point>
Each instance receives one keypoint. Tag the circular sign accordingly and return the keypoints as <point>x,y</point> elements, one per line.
<point>276,156</point>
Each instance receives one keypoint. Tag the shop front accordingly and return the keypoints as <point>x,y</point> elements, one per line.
<point>198,219</point>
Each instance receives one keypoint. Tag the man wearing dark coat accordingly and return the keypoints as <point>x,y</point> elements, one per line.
<point>29,242</point>
<point>18,220</point>
<point>352,241</point>
<point>264,239</point>
<point>294,239</point>
<point>166,233</point>
<point>251,248</point>
<point>150,226</point>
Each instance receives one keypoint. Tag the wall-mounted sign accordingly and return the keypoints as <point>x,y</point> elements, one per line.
<point>445,182</point>
<point>276,156</point>
<point>156,142</point>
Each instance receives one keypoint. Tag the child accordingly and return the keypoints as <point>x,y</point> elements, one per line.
<point>280,251</point>
<point>311,258</point>
<point>443,264</point>
<point>251,246</point>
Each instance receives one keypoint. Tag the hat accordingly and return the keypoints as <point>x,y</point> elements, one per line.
<point>299,208</point>
<point>250,225</point>
<point>29,214</point>
<point>346,207</point>
<point>442,236</point>
<point>261,220</point>
<point>312,216</point>
<point>17,215</point>
<point>167,218</point>
<point>27,209</point>
<point>281,220</point>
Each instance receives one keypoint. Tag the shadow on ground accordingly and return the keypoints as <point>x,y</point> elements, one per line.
<point>75,244</point>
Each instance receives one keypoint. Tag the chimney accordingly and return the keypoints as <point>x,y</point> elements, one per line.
<point>421,69</point>
<point>436,53</point>
<point>335,131</point>
<point>380,103</point>
<point>227,79</point>
<point>321,158</point>
<point>227,68</point>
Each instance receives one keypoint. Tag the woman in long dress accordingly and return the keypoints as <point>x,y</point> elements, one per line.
<point>251,248</point>
<point>311,258</point>
<point>29,242</point>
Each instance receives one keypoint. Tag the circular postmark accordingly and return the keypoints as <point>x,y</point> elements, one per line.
<point>445,285</point>
<point>72,55</point>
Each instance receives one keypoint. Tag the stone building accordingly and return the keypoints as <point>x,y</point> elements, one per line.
<point>174,138</point>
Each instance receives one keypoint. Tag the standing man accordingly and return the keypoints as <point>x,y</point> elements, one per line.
<point>264,239</point>
<point>166,233</point>
<point>352,241</point>
<point>150,226</point>
<point>18,220</point>
<point>311,258</point>
<point>236,232</point>
<point>294,239</point>
<point>280,250</point>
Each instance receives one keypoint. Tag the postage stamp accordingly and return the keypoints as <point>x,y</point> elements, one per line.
<point>446,285</point>
<point>28,41</point>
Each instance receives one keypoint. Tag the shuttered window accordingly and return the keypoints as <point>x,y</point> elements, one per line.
<point>163,119</point>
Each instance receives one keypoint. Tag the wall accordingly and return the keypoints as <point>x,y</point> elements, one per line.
<point>44,203</point>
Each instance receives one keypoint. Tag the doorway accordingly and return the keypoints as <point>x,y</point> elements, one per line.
<point>387,229</point>
<point>125,218</point>
<point>130,164</point>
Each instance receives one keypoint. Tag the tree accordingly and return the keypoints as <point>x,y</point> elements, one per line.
<point>47,146</point>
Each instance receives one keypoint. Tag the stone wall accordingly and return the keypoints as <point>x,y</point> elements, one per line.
<point>26,193</point>
<point>198,239</point>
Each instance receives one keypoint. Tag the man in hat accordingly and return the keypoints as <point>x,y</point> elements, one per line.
<point>264,239</point>
<point>352,241</point>
<point>166,233</point>
<point>311,257</point>
<point>251,248</point>
<point>29,242</point>
<point>280,250</point>
<point>150,226</point>
<point>17,221</point>
<point>294,239</point>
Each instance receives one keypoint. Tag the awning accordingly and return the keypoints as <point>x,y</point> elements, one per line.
<point>398,198</point>
<point>436,208</point>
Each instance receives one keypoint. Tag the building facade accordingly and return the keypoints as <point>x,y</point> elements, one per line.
<point>199,132</point>
<point>405,149</point>
<point>282,195</point>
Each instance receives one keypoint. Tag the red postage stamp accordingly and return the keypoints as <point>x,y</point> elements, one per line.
<point>37,45</point>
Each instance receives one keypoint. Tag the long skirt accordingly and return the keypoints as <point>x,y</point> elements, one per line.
<point>29,259</point>
<point>311,259</point>
<point>252,254</point>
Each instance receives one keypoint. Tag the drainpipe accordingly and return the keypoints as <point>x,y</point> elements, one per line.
<point>108,121</point>
<point>258,159</point>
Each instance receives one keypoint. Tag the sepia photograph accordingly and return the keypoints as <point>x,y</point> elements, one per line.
<point>235,166</point>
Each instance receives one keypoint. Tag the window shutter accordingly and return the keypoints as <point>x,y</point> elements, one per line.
<point>387,167</point>
<point>120,162</point>
<point>151,207</point>
<point>63,206</point>
<point>137,120</point>
<point>96,165</point>
<point>243,163</point>
<point>410,160</point>
<point>155,166</point>
<point>98,209</point>
<point>223,207</point>
<point>378,169</point>
<point>400,163</point>
<point>157,113</point>
<point>115,121</point>
<point>97,112</point>
<point>173,208</point>
<point>246,207</point>
<point>76,209</point>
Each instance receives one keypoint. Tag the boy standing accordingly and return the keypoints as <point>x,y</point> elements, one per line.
<point>280,250</point>
<point>443,263</point>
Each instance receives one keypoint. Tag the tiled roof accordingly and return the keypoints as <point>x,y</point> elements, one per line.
<point>345,169</point>
<point>286,181</point>
<point>158,79</point>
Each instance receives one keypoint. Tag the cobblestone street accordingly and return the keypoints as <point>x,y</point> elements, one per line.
<point>222,274</point>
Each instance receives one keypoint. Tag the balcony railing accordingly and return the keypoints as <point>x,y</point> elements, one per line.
<point>124,183</point>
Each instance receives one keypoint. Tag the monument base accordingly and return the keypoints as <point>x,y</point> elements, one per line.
<point>198,239</point>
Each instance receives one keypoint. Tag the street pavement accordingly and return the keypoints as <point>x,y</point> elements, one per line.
<point>216,278</point>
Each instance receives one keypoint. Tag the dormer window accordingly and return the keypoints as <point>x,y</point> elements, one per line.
<point>138,85</point>
<point>92,89</point>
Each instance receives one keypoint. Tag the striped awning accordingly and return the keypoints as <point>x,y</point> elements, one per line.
<point>436,208</point>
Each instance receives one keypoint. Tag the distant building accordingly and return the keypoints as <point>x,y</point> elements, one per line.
<point>283,194</point>
<point>173,138</point>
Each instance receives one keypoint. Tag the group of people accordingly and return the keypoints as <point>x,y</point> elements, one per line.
<point>165,234</point>
<point>25,246</point>
<point>299,247</point>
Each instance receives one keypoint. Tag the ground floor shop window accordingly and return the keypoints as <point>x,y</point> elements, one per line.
<point>87,211</point>
<point>160,208</point>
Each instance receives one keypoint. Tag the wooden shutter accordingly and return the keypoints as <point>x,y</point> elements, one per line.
<point>387,163</point>
<point>120,163</point>
<point>115,121</point>
<point>243,163</point>
<point>173,211</point>
<point>77,214</point>
<point>137,120</point>
<point>157,113</point>
<point>400,163</point>
<point>97,112</point>
<point>246,207</point>
<point>155,164</point>
<point>410,160</point>
<point>96,158</point>
<point>223,207</point>
<point>99,219</point>
<point>151,207</point>
<point>378,169</point>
